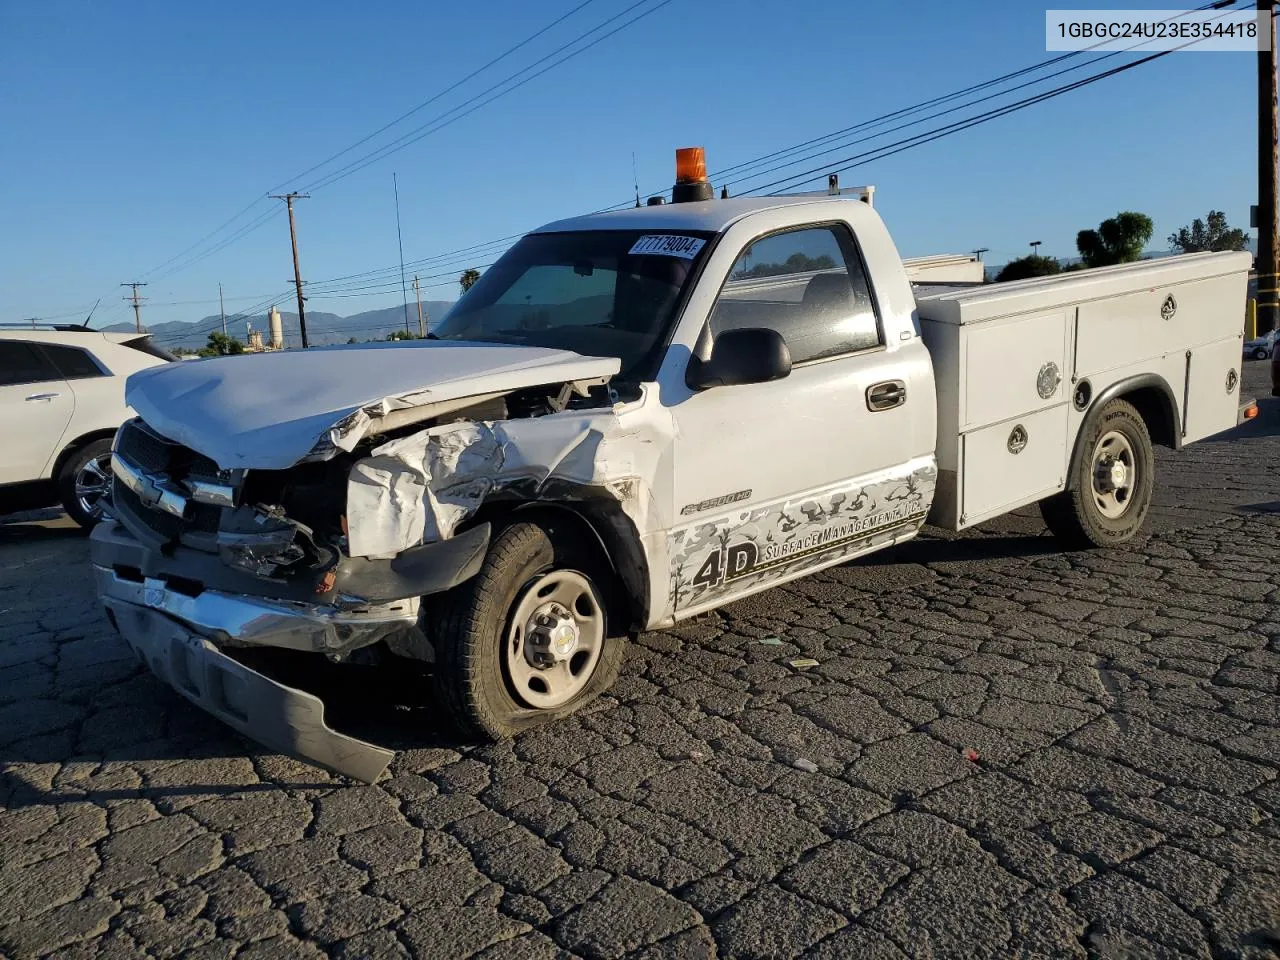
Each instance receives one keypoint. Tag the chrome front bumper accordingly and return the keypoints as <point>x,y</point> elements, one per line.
<point>280,717</point>
<point>233,620</point>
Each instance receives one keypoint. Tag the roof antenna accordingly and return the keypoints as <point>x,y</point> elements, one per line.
<point>635,177</point>
<point>91,312</point>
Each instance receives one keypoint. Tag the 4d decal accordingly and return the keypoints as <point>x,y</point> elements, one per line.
<point>734,552</point>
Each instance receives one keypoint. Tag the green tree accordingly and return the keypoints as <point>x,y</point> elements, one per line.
<point>1119,239</point>
<point>468,278</point>
<point>1214,235</point>
<point>796,263</point>
<point>1030,266</point>
<point>402,335</point>
<point>221,345</point>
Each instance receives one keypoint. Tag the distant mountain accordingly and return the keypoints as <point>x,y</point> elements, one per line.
<point>322,328</point>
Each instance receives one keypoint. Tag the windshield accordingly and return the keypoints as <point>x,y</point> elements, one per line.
<point>602,293</point>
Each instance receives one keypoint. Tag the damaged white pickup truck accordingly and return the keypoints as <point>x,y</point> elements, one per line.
<point>632,418</point>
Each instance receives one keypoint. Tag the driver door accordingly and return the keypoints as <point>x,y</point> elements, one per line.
<point>775,479</point>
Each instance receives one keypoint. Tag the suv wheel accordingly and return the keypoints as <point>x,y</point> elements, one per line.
<point>85,478</point>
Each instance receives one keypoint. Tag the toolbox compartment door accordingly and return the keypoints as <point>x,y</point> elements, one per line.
<point>1003,362</point>
<point>1012,463</point>
<point>1213,389</point>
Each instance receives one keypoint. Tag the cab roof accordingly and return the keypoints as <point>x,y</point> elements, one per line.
<point>712,216</point>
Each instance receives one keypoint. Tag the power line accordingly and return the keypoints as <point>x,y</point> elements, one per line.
<point>888,150</point>
<point>337,283</point>
<point>430,100</point>
<point>413,136</point>
<point>261,220</point>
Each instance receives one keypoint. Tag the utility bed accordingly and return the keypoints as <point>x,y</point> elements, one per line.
<point>1017,365</point>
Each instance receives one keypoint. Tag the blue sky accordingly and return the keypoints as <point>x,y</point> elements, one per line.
<point>133,129</point>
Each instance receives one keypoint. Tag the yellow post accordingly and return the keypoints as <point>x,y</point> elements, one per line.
<point>1251,320</point>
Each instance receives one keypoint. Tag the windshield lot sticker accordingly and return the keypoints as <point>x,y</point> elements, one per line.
<point>727,554</point>
<point>663,245</point>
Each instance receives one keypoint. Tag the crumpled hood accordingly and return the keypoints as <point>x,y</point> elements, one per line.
<point>268,410</point>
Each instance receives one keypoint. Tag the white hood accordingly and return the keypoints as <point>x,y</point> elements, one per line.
<point>269,410</point>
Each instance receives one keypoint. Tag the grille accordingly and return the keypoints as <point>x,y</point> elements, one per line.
<point>139,445</point>
<point>154,454</point>
<point>134,512</point>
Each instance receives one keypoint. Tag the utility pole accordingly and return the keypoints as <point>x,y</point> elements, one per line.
<point>980,251</point>
<point>1035,247</point>
<point>222,309</point>
<point>288,198</point>
<point>417,292</point>
<point>404,294</point>
<point>136,301</point>
<point>1268,295</point>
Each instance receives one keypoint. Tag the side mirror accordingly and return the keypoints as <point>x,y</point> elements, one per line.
<point>745,355</point>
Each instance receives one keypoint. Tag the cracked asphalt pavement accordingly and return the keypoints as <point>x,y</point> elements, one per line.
<point>1004,751</point>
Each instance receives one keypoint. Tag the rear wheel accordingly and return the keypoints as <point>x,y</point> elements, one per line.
<point>524,641</point>
<point>1260,353</point>
<point>1113,482</point>
<point>85,478</point>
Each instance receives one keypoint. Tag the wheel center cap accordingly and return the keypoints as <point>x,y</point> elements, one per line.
<point>564,640</point>
<point>552,636</point>
<point>1111,475</point>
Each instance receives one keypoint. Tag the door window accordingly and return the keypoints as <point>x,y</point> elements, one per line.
<point>23,363</point>
<point>72,362</point>
<point>807,284</point>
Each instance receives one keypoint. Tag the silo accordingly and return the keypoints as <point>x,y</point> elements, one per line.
<point>277,330</point>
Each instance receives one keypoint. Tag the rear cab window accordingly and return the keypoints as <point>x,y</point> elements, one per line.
<point>807,283</point>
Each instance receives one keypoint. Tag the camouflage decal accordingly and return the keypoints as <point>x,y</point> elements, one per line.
<point>734,552</point>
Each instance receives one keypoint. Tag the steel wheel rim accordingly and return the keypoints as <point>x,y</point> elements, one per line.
<point>569,600</point>
<point>92,483</point>
<point>1115,474</point>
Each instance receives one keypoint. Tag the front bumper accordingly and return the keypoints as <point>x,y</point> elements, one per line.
<point>280,717</point>
<point>184,610</point>
<point>238,621</point>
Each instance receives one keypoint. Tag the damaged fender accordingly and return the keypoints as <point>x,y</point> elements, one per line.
<point>420,488</point>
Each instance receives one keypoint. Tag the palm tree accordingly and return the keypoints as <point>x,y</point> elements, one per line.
<point>468,278</point>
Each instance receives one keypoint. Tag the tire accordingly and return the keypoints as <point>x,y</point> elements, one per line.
<point>1260,353</point>
<point>1105,511</point>
<point>483,675</point>
<point>89,463</point>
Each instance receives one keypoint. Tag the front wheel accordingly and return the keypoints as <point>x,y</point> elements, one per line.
<point>1260,353</point>
<point>1114,477</point>
<point>524,641</point>
<point>84,480</point>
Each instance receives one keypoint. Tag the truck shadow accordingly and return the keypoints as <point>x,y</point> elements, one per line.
<point>390,704</point>
<point>933,546</point>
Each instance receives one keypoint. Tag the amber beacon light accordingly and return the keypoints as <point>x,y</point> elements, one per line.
<point>691,176</point>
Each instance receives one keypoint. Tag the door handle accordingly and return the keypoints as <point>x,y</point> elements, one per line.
<point>886,396</point>
<point>43,396</point>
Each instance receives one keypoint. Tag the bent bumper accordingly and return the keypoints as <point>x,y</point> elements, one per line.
<point>237,621</point>
<point>417,572</point>
<point>280,717</point>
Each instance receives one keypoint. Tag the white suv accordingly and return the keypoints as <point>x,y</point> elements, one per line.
<point>61,400</point>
